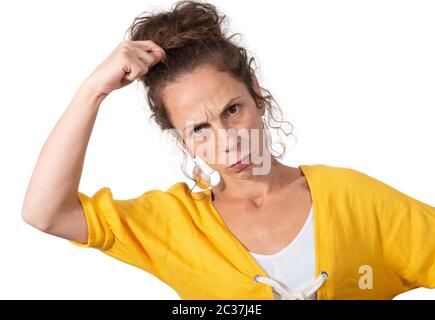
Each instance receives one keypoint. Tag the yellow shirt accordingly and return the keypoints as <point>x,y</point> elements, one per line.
<point>373,241</point>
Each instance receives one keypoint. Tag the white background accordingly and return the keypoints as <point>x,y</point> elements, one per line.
<point>356,78</point>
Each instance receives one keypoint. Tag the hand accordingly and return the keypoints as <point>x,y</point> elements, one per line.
<point>129,61</point>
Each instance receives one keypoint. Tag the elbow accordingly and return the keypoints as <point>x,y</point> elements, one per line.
<point>38,222</point>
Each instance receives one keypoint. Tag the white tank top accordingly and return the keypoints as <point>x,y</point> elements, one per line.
<point>295,265</point>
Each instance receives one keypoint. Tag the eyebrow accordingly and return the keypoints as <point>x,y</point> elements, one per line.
<point>223,110</point>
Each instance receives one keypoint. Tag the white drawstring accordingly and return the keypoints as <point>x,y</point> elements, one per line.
<point>286,294</point>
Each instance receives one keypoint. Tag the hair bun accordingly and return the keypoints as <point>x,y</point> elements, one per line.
<point>186,22</point>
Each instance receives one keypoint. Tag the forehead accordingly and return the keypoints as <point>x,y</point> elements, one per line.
<point>204,88</point>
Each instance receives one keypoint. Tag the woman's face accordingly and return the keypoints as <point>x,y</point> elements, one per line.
<point>217,119</point>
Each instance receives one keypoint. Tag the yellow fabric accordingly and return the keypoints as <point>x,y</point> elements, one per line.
<point>180,238</point>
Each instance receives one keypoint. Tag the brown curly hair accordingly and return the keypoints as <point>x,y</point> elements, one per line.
<point>192,34</point>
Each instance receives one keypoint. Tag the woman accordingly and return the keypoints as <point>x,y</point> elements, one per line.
<point>266,230</point>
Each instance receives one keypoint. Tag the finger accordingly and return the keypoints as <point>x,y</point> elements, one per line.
<point>159,55</point>
<point>146,58</point>
<point>150,47</point>
<point>137,69</point>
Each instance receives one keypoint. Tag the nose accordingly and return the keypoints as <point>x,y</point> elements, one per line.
<point>228,140</point>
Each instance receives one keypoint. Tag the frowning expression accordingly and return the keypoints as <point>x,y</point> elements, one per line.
<point>216,117</point>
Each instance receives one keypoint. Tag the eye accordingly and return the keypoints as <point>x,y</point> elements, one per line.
<point>197,128</point>
<point>233,109</point>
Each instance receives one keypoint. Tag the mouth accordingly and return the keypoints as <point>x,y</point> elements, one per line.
<point>246,161</point>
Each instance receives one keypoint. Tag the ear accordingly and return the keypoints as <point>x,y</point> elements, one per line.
<point>257,89</point>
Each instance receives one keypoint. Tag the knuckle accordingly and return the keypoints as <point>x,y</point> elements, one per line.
<point>162,53</point>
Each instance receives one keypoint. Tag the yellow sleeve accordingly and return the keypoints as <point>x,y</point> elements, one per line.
<point>100,234</point>
<point>128,230</point>
<point>407,228</point>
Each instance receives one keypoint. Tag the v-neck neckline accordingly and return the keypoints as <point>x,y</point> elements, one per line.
<point>256,267</point>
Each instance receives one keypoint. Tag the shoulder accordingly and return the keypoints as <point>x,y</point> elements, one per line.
<point>178,193</point>
<point>330,171</point>
<point>335,175</point>
<point>347,182</point>
<point>178,190</point>
<point>157,199</point>
<point>182,191</point>
<point>357,186</point>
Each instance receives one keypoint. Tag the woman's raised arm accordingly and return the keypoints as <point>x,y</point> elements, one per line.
<point>51,203</point>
